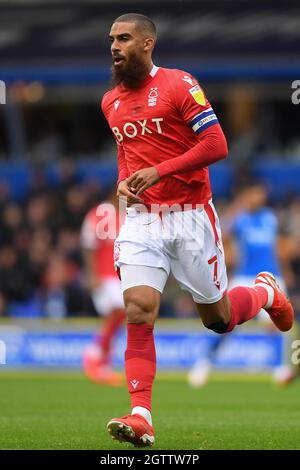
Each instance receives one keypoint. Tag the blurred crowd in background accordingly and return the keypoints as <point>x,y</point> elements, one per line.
<point>41,265</point>
<point>55,59</point>
<point>41,270</point>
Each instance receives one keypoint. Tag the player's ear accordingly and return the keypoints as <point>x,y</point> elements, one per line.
<point>148,44</point>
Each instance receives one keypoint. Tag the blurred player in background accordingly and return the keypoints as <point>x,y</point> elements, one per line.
<point>167,135</point>
<point>105,288</point>
<point>250,233</point>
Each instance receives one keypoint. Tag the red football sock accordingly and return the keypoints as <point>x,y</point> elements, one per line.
<point>140,363</point>
<point>109,328</point>
<point>246,303</point>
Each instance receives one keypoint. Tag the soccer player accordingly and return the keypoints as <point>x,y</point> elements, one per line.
<point>252,233</point>
<point>167,134</point>
<point>98,246</point>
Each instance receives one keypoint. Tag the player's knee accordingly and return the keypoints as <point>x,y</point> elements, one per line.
<point>219,327</point>
<point>138,310</point>
<point>216,316</point>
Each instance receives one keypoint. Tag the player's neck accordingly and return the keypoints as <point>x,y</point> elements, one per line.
<point>150,66</point>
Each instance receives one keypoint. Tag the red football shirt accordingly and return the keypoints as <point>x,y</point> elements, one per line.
<point>160,120</point>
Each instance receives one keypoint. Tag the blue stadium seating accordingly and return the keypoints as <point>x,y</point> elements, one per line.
<point>281,177</point>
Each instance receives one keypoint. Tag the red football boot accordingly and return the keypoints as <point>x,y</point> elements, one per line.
<point>281,311</point>
<point>132,428</point>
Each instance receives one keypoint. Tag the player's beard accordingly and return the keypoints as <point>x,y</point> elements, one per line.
<point>132,74</point>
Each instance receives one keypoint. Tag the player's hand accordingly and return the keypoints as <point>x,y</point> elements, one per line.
<point>123,191</point>
<point>143,179</point>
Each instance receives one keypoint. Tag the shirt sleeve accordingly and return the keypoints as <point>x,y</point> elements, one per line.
<point>197,112</point>
<point>192,103</point>
<point>122,164</point>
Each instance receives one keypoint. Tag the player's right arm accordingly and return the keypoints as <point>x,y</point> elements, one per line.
<point>122,165</point>
<point>123,188</point>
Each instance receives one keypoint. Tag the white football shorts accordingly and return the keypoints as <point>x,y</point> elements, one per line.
<point>187,243</point>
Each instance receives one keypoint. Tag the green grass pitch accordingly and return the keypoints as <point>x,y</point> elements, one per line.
<point>65,411</point>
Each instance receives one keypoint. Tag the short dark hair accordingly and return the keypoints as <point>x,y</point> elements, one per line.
<point>143,23</point>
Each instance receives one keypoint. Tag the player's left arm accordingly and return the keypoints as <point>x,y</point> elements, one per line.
<point>197,112</point>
